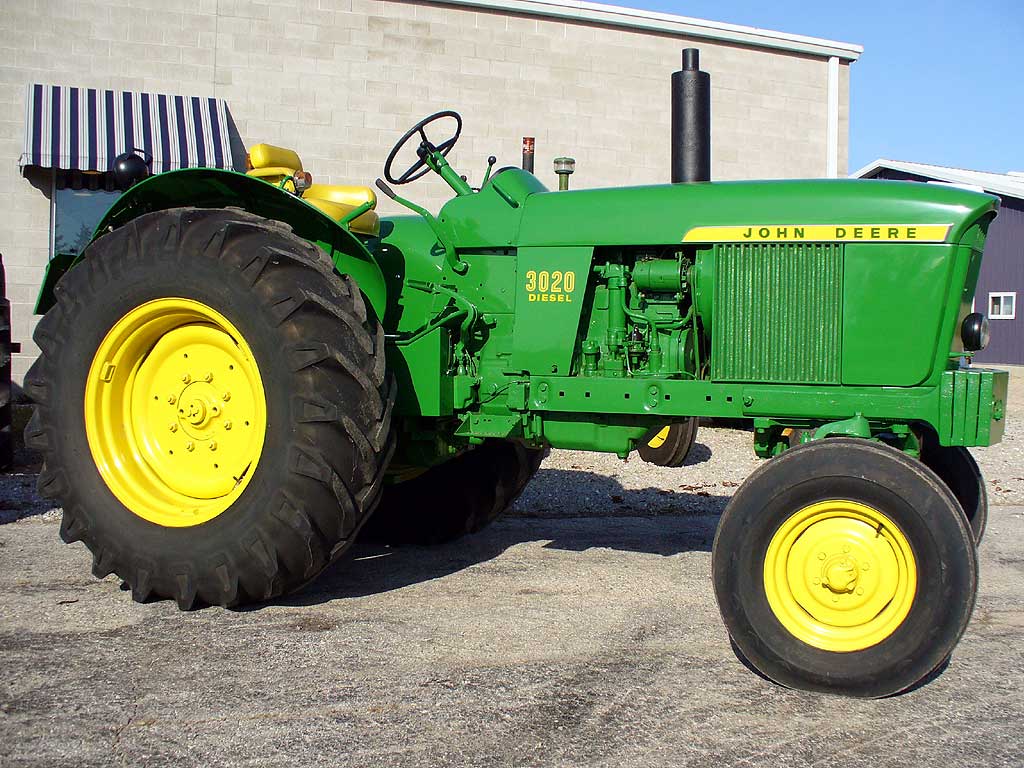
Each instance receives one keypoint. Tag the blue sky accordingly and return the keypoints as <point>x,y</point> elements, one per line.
<point>939,82</point>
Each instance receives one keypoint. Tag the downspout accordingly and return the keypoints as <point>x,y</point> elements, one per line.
<point>832,130</point>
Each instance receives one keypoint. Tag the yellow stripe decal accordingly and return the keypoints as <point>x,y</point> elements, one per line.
<point>845,233</point>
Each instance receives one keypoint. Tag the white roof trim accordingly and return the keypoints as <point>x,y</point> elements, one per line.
<point>1006,184</point>
<point>666,22</point>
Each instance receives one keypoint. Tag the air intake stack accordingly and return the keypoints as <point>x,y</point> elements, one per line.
<point>691,121</point>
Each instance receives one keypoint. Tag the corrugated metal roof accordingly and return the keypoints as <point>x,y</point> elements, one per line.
<point>668,22</point>
<point>1008,184</point>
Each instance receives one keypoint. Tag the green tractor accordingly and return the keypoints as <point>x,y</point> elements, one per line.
<point>241,368</point>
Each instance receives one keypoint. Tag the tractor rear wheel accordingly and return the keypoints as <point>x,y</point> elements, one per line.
<point>844,566</point>
<point>456,498</point>
<point>668,446</point>
<point>211,406</point>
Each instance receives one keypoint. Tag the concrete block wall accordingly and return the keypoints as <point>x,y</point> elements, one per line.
<point>341,80</point>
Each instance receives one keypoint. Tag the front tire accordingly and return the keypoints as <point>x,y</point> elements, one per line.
<point>843,566</point>
<point>960,472</point>
<point>211,406</point>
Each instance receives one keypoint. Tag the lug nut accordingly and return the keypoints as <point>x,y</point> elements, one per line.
<point>213,445</point>
<point>186,379</point>
<point>822,555</point>
<point>208,378</point>
<point>173,427</point>
<point>226,396</point>
<point>227,425</point>
<point>172,399</point>
<point>190,446</point>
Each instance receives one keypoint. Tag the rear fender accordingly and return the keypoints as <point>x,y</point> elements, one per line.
<point>213,188</point>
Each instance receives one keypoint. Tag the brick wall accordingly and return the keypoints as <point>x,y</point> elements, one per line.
<point>341,80</point>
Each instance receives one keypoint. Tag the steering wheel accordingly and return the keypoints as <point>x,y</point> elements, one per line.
<point>420,167</point>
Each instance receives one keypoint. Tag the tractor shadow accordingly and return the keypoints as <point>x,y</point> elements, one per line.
<point>590,511</point>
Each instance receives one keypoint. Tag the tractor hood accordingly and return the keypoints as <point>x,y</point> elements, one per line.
<point>670,213</point>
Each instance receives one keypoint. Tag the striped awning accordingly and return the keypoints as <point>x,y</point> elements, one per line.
<point>86,128</point>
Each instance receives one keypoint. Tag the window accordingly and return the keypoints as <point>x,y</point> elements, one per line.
<point>76,212</point>
<point>1002,306</point>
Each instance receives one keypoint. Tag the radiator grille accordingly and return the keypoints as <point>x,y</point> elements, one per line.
<point>778,313</point>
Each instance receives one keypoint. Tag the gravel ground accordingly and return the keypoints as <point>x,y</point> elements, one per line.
<point>545,642</point>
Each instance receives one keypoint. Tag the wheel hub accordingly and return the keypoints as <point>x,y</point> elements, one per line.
<point>200,410</point>
<point>840,574</point>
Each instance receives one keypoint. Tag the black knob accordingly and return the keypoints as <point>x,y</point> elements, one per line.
<point>129,168</point>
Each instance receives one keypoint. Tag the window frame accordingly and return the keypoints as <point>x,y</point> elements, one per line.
<point>1003,294</point>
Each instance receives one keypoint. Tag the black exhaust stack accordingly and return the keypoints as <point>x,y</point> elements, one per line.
<point>691,121</point>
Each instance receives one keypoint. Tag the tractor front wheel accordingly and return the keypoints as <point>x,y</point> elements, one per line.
<point>959,471</point>
<point>211,406</point>
<point>456,498</point>
<point>844,566</point>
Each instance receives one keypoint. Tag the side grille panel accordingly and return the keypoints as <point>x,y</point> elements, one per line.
<point>778,313</point>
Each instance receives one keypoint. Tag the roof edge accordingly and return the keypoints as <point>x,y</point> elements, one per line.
<point>578,10</point>
<point>1011,187</point>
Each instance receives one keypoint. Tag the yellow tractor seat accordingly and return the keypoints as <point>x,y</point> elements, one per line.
<point>267,160</point>
<point>339,200</point>
<point>275,164</point>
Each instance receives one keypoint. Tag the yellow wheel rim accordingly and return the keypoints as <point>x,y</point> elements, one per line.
<point>659,439</point>
<point>175,412</point>
<point>840,576</point>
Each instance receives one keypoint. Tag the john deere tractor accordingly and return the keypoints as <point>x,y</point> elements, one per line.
<point>242,368</point>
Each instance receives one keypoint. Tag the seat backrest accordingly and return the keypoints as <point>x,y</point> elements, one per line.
<point>273,164</point>
<point>263,156</point>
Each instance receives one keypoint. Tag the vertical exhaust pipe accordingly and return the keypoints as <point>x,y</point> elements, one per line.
<point>528,144</point>
<point>691,121</point>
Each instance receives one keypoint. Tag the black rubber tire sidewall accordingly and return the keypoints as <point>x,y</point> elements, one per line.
<point>459,497</point>
<point>674,450</point>
<point>957,468</point>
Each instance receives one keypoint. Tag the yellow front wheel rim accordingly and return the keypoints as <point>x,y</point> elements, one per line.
<point>840,576</point>
<point>175,412</point>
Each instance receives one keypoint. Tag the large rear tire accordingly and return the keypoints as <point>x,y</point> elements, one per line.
<point>211,406</point>
<point>459,497</point>
<point>844,566</point>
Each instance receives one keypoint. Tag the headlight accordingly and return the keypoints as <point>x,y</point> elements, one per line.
<point>974,332</point>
